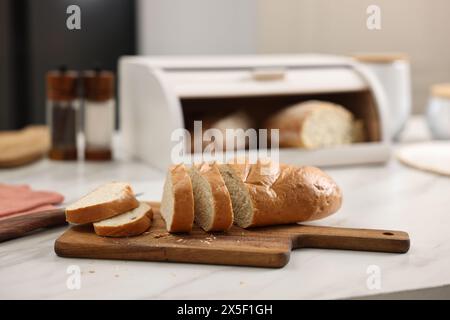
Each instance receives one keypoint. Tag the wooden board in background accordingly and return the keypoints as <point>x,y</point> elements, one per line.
<point>24,146</point>
<point>261,247</point>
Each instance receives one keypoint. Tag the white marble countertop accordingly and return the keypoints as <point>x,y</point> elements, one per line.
<point>389,196</point>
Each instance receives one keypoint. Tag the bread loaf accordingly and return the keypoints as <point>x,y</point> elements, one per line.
<point>104,202</point>
<point>131,223</point>
<point>212,203</point>
<point>177,204</point>
<point>288,194</point>
<point>315,124</point>
<point>238,121</point>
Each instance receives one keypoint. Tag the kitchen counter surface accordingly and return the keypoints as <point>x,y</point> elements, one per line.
<point>388,196</point>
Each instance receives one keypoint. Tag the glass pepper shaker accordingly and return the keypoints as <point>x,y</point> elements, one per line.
<point>63,108</point>
<point>99,114</point>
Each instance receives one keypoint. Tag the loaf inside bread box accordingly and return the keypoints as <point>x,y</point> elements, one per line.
<point>340,118</point>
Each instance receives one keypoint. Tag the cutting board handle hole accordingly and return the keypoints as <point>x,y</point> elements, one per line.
<point>388,233</point>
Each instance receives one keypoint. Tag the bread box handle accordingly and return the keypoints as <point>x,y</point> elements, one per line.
<point>268,74</point>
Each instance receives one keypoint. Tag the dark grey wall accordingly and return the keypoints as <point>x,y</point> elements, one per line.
<point>13,62</point>
<point>5,58</point>
<point>107,32</point>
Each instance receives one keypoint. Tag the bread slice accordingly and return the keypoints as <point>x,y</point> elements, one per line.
<point>233,177</point>
<point>107,201</point>
<point>314,124</point>
<point>131,223</point>
<point>177,204</point>
<point>280,194</point>
<point>212,203</point>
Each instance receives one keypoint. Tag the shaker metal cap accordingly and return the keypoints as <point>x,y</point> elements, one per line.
<point>441,90</point>
<point>380,57</point>
<point>98,85</point>
<point>62,84</point>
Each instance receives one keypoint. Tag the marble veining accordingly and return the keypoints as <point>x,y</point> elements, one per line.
<point>390,196</point>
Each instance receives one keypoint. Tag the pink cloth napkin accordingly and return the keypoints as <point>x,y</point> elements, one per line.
<point>21,199</point>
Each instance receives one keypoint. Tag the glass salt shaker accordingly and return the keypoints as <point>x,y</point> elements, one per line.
<point>438,112</point>
<point>99,114</point>
<point>63,108</point>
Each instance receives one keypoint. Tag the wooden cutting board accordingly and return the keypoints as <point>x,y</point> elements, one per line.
<point>261,247</point>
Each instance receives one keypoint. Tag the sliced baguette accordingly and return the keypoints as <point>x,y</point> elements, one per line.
<point>212,203</point>
<point>288,194</point>
<point>104,202</point>
<point>131,223</point>
<point>177,204</point>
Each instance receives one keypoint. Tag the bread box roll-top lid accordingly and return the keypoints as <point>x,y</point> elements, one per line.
<point>247,76</point>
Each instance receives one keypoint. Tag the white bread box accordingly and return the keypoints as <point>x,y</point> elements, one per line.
<point>160,94</point>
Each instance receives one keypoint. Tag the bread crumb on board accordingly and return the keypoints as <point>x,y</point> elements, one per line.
<point>161,235</point>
